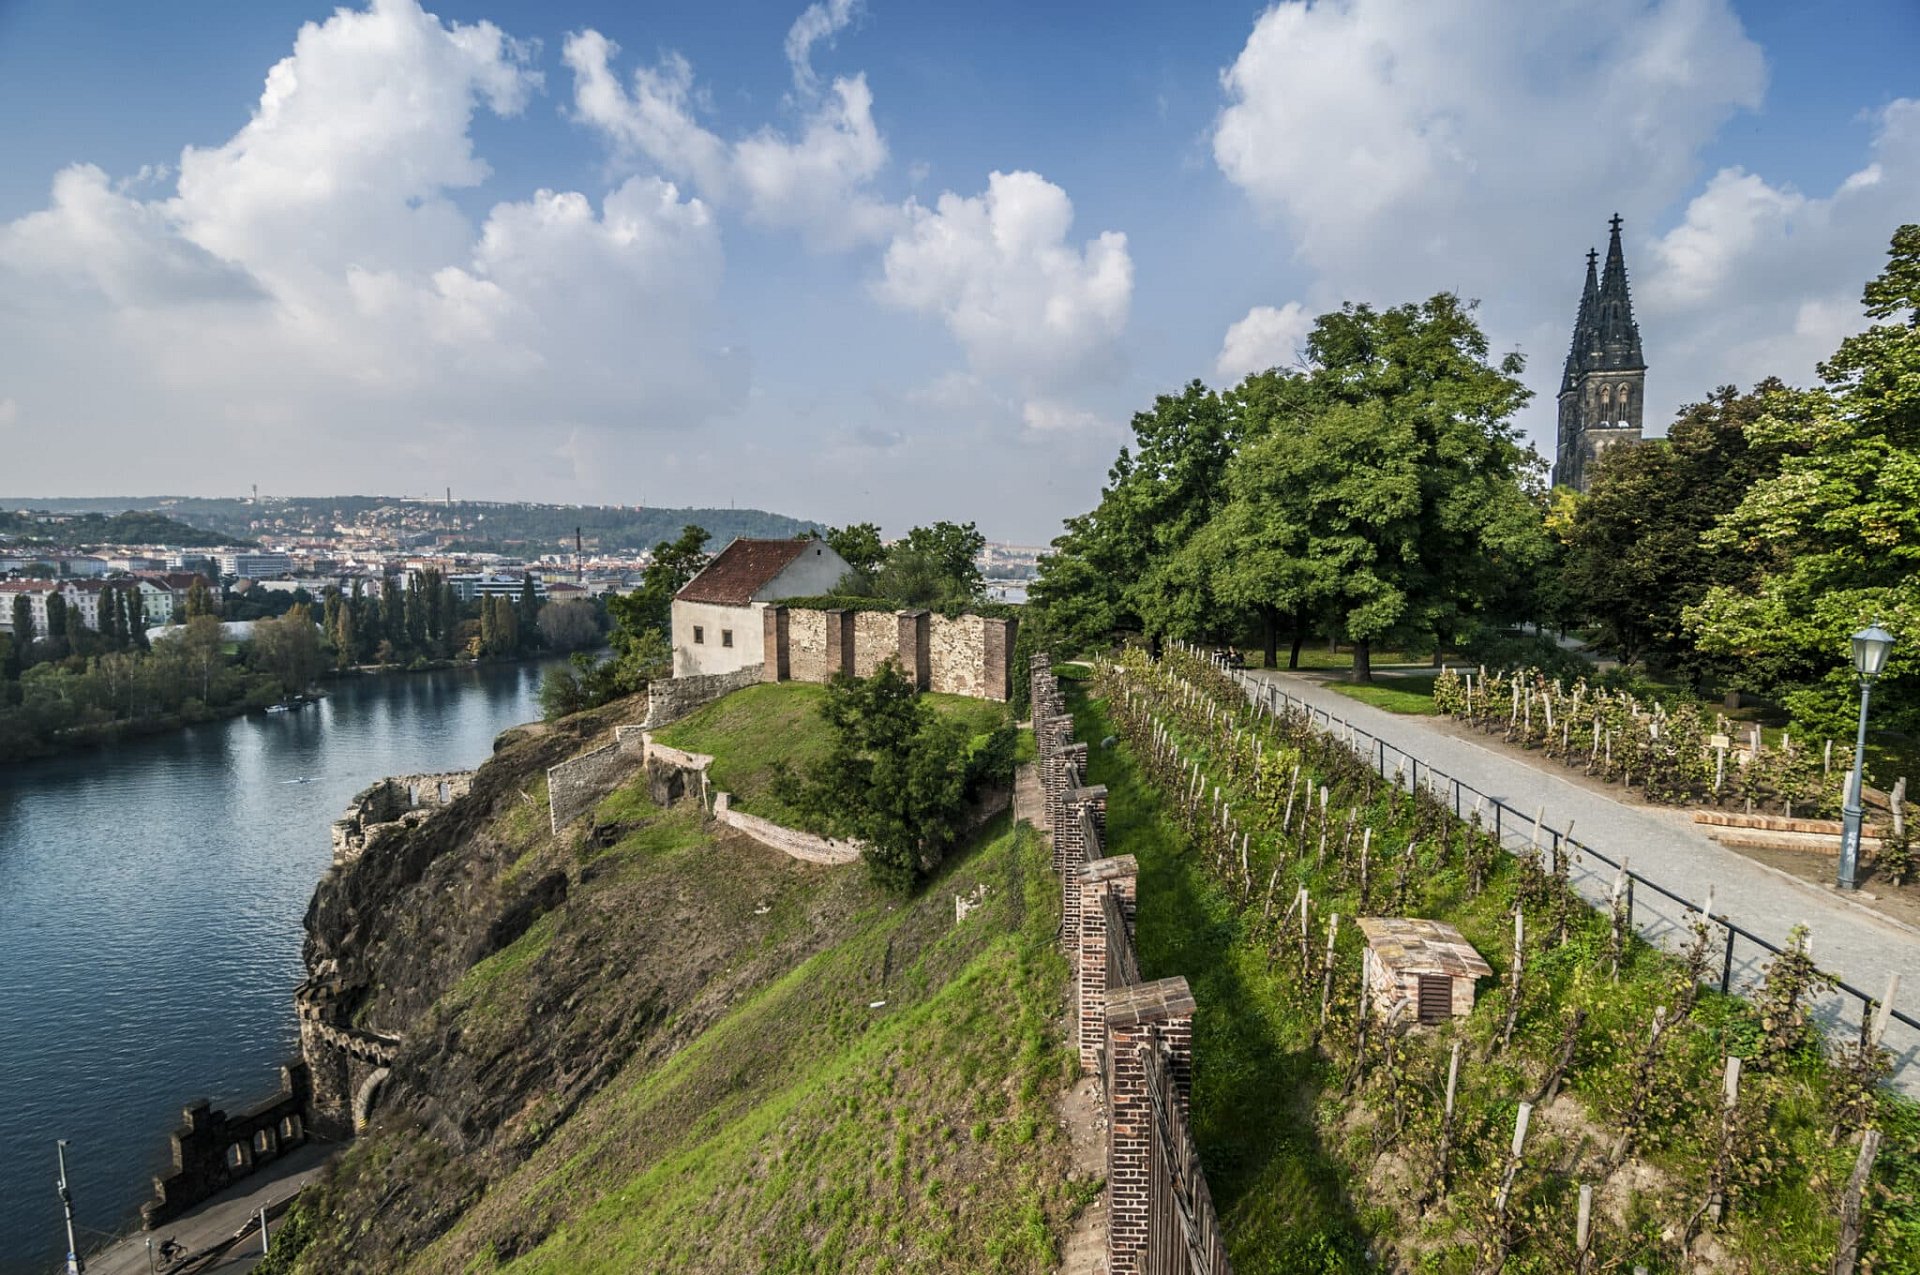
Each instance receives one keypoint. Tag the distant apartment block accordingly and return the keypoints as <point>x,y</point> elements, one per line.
<point>255,566</point>
<point>469,585</point>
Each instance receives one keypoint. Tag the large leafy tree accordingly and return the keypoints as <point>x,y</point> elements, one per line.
<point>1834,537</point>
<point>859,545</point>
<point>1634,555</point>
<point>934,565</point>
<point>1119,566</point>
<point>1385,489</point>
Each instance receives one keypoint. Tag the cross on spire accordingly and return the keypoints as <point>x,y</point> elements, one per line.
<point>1614,222</point>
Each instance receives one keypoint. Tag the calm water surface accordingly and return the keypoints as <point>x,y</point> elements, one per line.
<point>150,905</point>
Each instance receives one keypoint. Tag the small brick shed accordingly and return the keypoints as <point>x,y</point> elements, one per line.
<point>1425,966</point>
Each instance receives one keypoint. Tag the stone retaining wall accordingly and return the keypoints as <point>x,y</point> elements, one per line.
<point>671,698</point>
<point>805,846</point>
<point>575,786</point>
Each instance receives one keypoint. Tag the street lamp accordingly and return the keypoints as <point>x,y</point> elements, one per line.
<point>1870,649</point>
<point>74,1265</point>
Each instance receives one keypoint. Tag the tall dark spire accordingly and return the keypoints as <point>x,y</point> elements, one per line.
<point>1584,336</point>
<point>1618,346</point>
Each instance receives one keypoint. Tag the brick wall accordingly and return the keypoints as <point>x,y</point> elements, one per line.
<point>1136,1037</point>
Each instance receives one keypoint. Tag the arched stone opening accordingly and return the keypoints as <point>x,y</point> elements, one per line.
<point>366,1098</point>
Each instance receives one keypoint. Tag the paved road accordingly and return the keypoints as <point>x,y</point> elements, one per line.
<point>1850,941</point>
<point>219,1219</point>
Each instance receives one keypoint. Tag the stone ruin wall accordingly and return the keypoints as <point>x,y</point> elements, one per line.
<point>671,698</point>
<point>958,651</point>
<point>392,805</point>
<point>575,786</point>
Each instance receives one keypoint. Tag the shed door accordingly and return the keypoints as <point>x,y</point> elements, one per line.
<point>1436,998</point>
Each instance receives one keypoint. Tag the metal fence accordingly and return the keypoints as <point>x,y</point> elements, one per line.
<point>1515,829</point>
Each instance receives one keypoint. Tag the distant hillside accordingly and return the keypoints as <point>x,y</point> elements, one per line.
<point>474,525</point>
<point>131,526</point>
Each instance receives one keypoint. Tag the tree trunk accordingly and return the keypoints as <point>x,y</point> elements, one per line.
<point>1363,660</point>
<point>1299,636</point>
<point>1270,630</point>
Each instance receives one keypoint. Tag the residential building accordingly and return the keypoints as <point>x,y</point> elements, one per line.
<point>717,623</point>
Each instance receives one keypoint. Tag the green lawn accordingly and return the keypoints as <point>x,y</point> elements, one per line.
<point>751,731</point>
<point>1397,694</point>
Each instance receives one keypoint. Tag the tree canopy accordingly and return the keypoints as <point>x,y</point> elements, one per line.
<point>1833,538</point>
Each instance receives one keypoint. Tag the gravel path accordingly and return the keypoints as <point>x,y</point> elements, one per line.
<point>1663,846</point>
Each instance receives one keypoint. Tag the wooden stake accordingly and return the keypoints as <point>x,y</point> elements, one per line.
<point>1326,980</point>
<point>1851,1210</point>
<point>1583,1231</point>
<point>1513,984</point>
<point>1513,1159</point>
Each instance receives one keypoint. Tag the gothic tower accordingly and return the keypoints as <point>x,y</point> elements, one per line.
<point>1602,391</point>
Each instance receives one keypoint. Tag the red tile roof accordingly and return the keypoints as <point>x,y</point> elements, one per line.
<point>740,570</point>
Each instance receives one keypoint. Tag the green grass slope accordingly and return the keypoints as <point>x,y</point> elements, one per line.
<point>709,1057</point>
<point>751,732</point>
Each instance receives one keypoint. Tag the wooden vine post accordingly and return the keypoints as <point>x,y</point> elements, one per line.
<point>1853,1204</point>
<point>1446,1120</point>
<point>1583,1231</point>
<point>1513,981</point>
<point>1503,1237</point>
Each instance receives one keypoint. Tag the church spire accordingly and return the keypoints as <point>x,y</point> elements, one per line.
<point>1618,344</point>
<point>1584,336</point>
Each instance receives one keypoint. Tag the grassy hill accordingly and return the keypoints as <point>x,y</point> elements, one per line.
<point>709,1057</point>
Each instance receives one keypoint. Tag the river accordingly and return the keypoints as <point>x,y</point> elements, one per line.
<point>151,897</point>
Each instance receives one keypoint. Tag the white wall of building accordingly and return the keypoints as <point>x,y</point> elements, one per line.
<point>814,572</point>
<point>715,620</point>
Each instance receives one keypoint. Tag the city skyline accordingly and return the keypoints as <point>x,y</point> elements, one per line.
<point>854,262</point>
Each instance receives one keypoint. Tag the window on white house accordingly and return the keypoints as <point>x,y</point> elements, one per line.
<point>699,636</point>
<point>726,637</point>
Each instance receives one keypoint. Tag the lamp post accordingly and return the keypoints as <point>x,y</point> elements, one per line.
<point>1870,648</point>
<point>74,1264</point>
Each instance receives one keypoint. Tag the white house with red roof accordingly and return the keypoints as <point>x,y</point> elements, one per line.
<point>717,623</point>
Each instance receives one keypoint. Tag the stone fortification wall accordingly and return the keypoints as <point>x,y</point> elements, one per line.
<point>876,639</point>
<point>576,785</point>
<point>212,1150</point>
<point>671,698</point>
<point>963,655</point>
<point>1136,1036</point>
<point>393,804</point>
<point>807,646</point>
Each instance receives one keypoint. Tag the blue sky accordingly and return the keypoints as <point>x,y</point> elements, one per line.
<point>847,316</point>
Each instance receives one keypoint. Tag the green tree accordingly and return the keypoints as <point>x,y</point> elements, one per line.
<point>22,621</point>
<point>527,615</point>
<point>1635,555</point>
<point>1384,488</point>
<point>288,648</point>
<point>858,543</point>
<point>200,599</point>
<point>895,776</point>
<point>649,609</point>
<point>1120,567</point>
<point>137,620</point>
<point>1835,536</point>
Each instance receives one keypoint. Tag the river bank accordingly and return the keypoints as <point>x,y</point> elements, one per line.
<point>151,898</point>
<point>107,734</point>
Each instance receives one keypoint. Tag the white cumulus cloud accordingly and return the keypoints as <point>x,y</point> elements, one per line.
<point>1266,338</point>
<point>1760,278</point>
<point>1000,271</point>
<point>816,22</point>
<point>818,182</point>
<point>311,280</point>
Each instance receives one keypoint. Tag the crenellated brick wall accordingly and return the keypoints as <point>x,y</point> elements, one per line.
<point>1135,1037</point>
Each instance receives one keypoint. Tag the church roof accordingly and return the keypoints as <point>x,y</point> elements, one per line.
<point>1605,337</point>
